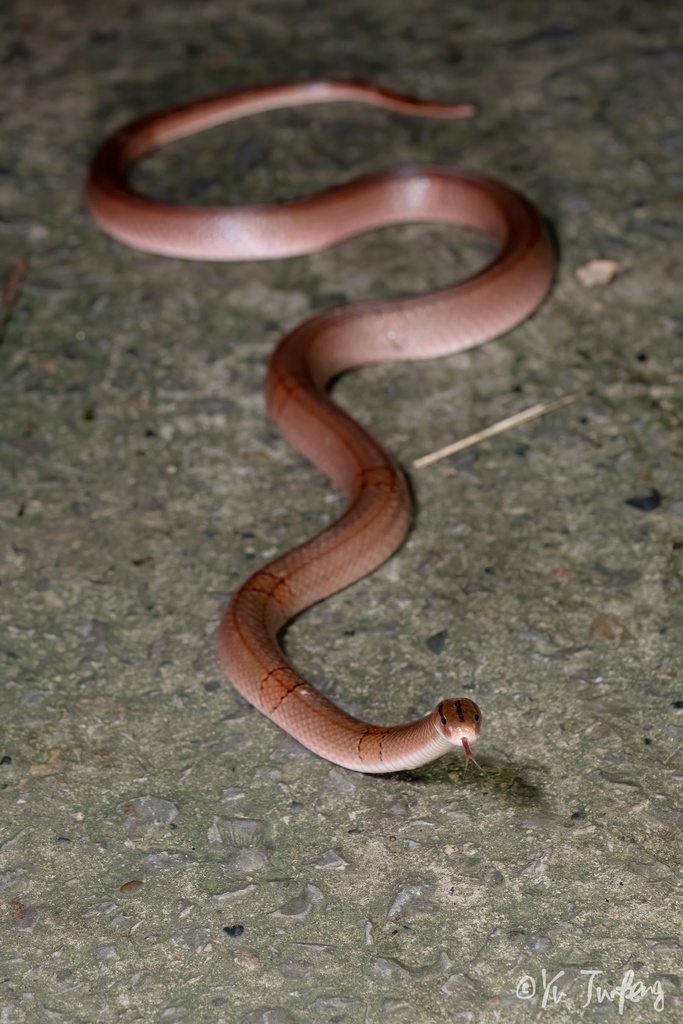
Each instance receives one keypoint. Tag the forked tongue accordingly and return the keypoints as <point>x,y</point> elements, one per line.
<point>470,756</point>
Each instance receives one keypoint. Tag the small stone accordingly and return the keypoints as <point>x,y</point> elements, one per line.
<point>461,986</point>
<point>131,886</point>
<point>608,627</point>
<point>330,860</point>
<point>147,811</point>
<point>140,979</point>
<point>165,861</point>
<point>598,272</point>
<point>8,878</point>
<point>342,782</point>
<point>232,794</point>
<point>412,897</point>
<point>437,641</point>
<point>602,735</point>
<point>618,782</point>
<point>231,746</point>
<point>232,894</point>
<point>299,907</point>
<point>664,945</point>
<point>100,909</point>
<point>269,1015</point>
<point>651,869</point>
<point>105,953</point>
<point>239,832</point>
<point>646,502</point>
<point>384,967</point>
<point>397,1008</point>
<point>246,959</point>
<point>399,808</point>
<point>247,861</point>
<point>493,877</point>
<point>24,919</point>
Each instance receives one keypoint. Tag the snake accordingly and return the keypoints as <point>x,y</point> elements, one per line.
<point>377,516</point>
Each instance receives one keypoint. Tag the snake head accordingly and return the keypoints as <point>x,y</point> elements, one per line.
<point>459,721</point>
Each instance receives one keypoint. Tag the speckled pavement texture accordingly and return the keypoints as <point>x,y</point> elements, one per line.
<point>167,855</point>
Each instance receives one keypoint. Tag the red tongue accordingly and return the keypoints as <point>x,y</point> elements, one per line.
<point>470,756</point>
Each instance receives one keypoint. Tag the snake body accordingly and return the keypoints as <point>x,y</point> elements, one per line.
<point>450,320</point>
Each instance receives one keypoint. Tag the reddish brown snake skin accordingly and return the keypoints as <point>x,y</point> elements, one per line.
<point>455,318</point>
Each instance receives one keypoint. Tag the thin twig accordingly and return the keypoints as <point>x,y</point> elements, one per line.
<point>496,428</point>
<point>12,289</point>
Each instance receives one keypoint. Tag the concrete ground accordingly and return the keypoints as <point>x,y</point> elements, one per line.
<point>167,854</point>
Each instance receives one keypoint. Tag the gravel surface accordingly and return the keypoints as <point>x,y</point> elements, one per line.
<point>166,854</point>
